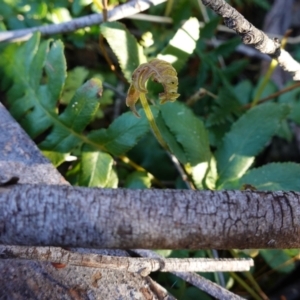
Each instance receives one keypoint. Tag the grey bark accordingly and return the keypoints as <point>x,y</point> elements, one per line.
<point>250,35</point>
<point>45,215</point>
<point>143,266</point>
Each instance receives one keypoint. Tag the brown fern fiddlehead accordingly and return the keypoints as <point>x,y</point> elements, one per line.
<point>159,71</point>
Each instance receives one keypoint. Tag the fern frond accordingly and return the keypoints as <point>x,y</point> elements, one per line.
<point>33,98</point>
<point>159,71</point>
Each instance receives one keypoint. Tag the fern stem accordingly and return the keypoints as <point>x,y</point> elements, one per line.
<point>252,280</point>
<point>181,169</point>
<point>245,286</point>
<point>270,71</point>
<point>152,122</point>
<point>274,95</point>
<point>265,81</point>
<point>169,6</point>
<point>137,167</point>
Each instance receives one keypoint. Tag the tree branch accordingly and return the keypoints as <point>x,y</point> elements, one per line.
<point>45,215</point>
<point>143,266</point>
<point>252,36</point>
<point>119,12</point>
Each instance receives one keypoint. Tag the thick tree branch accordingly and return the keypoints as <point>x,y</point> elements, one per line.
<point>120,12</point>
<point>37,215</point>
<point>252,36</point>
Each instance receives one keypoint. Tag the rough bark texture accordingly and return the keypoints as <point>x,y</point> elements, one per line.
<point>44,215</point>
<point>250,35</point>
<point>39,280</point>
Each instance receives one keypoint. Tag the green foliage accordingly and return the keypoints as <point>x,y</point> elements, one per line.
<point>128,51</point>
<point>274,177</point>
<point>75,79</point>
<point>97,142</point>
<point>188,132</point>
<point>34,105</point>
<point>277,260</point>
<point>69,125</point>
<point>122,134</point>
<point>138,180</point>
<point>246,139</point>
<point>95,167</point>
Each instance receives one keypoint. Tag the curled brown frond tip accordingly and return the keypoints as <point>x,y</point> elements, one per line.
<point>159,71</point>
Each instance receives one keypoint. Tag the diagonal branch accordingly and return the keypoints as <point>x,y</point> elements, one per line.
<point>119,12</point>
<point>252,36</point>
<point>198,281</point>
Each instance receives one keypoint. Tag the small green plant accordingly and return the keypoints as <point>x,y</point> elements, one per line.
<point>161,72</point>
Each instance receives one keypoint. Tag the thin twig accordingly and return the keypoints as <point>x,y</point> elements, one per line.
<point>198,95</point>
<point>151,18</point>
<point>274,95</point>
<point>181,171</point>
<point>114,89</point>
<point>215,254</point>
<point>143,266</point>
<point>198,281</point>
<point>119,12</point>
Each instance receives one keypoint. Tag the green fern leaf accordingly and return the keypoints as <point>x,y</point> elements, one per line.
<point>75,79</point>
<point>34,105</point>
<point>188,131</point>
<point>274,177</point>
<point>138,180</point>
<point>33,99</point>
<point>95,167</point>
<point>123,133</point>
<point>247,137</point>
<point>226,107</point>
<point>125,46</point>
<point>277,260</point>
<point>67,128</point>
<point>175,147</point>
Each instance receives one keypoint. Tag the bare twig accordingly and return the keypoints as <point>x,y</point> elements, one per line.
<point>143,266</point>
<point>151,18</point>
<point>181,171</point>
<point>207,286</point>
<point>198,281</point>
<point>117,13</point>
<point>252,36</point>
<point>198,95</point>
<point>274,95</point>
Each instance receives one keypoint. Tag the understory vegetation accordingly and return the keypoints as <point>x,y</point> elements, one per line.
<point>228,129</point>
